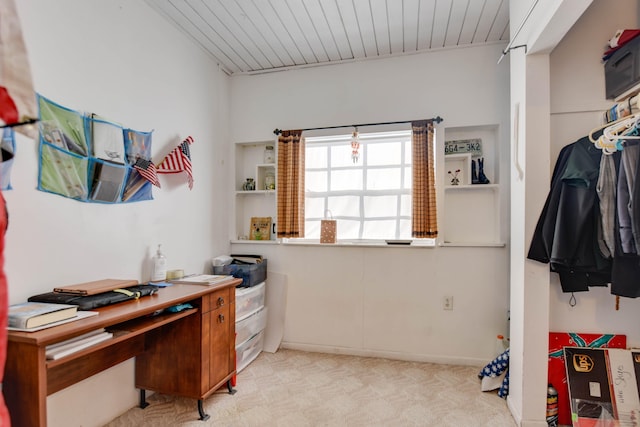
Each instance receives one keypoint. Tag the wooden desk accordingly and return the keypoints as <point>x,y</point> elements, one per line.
<point>190,353</point>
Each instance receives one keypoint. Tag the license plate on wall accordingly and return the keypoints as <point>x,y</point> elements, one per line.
<point>463,146</point>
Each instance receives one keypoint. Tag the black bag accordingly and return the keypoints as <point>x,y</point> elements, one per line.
<point>89,302</point>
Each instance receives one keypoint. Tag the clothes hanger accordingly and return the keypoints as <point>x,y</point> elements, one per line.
<point>596,129</point>
<point>614,133</point>
<point>626,121</point>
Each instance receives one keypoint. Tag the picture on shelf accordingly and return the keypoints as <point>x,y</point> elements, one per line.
<point>260,228</point>
<point>458,169</point>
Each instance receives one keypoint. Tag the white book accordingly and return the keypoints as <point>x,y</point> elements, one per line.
<point>76,346</point>
<point>75,339</point>
<point>79,315</point>
<point>34,314</point>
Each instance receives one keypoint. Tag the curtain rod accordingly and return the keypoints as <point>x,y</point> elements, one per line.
<point>26,122</point>
<point>524,21</point>
<point>435,119</point>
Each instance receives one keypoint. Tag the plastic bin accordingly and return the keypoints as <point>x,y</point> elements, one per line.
<point>248,351</point>
<point>249,300</point>
<point>251,325</point>
<point>622,69</point>
<point>251,274</point>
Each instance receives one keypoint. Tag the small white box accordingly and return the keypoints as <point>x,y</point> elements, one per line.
<point>251,325</point>
<point>249,300</point>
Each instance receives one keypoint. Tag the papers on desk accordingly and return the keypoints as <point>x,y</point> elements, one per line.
<point>79,315</point>
<point>73,345</point>
<point>204,279</point>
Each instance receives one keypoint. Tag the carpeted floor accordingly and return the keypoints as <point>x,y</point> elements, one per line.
<point>298,389</point>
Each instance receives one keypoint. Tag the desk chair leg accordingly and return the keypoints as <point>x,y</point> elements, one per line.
<point>203,416</point>
<point>230,388</point>
<point>143,399</point>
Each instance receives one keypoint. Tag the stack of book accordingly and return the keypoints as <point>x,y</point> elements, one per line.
<point>33,316</point>
<point>73,345</point>
<point>204,279</point>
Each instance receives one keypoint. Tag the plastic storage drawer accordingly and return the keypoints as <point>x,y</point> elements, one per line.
<point>249,300</point>
<point>248,351</point>
<point>251,325</point>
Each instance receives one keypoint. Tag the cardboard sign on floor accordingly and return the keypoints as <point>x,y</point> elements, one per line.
<point>604,386</point>
<point>557,371</point>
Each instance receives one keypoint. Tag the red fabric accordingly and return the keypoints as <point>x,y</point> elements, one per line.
<point>8,109</point>
<point>625,37</point>
<point>4,300</point>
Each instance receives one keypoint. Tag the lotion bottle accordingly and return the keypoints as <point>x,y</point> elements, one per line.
<point>159,267</point>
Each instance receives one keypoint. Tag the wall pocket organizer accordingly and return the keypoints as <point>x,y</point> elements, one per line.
<point>90,159</point>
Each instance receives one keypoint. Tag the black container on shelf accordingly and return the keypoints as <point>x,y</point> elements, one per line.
<point>622,69</point>
<point>251,274</point>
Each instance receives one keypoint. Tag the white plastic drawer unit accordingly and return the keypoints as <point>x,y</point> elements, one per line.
<point>249,300</point>
<point>251,325</point>
<point>248,351</point>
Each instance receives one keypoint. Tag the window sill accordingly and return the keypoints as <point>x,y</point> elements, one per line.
<point>345,243</point>
<point>473,244</point>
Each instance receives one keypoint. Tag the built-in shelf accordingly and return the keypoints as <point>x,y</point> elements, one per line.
<point>472,187</point>
<point>254,242</point>
<point>471,213</point>
<point>260,202</point>
<point>263,192</point>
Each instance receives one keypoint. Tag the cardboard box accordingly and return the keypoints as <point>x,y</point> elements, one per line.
<point>557,373</point>
<point>603,386</point>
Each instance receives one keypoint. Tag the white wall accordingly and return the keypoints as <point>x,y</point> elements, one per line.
<point>387,301</point>
<point>119,59</point>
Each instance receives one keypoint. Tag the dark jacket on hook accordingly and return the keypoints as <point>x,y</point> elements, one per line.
<point>567,232</point>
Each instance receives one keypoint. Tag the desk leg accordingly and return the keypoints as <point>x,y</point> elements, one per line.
<point>25,384</point>
<point>143,399</point>
<point>230,388</point>
<point>203,416</point>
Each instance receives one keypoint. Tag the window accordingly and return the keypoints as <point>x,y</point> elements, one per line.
<point>371,198</point>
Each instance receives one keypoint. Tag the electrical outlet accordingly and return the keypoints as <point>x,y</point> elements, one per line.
<point>447,303</point>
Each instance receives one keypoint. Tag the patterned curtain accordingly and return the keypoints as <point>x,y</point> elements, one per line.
<point>290,184</point>
<point>424,214</point>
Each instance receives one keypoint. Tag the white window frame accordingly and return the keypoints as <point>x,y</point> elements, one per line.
<point>404,189</point>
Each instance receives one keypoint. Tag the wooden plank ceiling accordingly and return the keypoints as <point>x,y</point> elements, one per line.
<point>248,36</point>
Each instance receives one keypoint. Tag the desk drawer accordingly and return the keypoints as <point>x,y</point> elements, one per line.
<point>218,299</point>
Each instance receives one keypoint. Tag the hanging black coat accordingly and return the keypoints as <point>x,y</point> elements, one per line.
<point>566,235</point>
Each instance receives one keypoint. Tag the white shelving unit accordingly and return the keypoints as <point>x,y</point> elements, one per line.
<point>249,163</point>
<point>471,213</point>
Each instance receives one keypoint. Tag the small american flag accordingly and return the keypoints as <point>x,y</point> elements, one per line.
<point>179,160</point>
<point>147,169</point>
